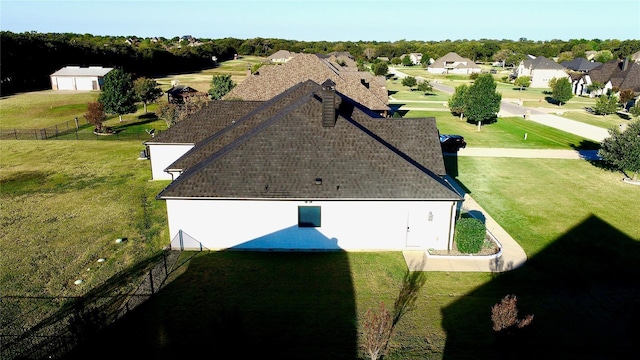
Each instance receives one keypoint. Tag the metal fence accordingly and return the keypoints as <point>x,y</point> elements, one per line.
<point>71,130</point>
<point>34,333</point>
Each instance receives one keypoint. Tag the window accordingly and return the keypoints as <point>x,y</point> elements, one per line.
<point>308,216</point>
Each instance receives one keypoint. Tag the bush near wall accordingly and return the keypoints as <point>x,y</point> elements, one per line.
<point>469,235</point>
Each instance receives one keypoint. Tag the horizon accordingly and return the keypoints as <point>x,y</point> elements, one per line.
<point>329,20</point>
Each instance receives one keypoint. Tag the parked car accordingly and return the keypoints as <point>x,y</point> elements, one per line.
<point>452,143</point>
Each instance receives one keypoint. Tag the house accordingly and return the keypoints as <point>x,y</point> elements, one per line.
<point>618,74</point>
<point>453,63</point>
<point>416,58</point>
<point>178,93</point>
<point>541,70</point>
<point>281,56</point>
<point>269,81</point>
<point>79,78</point>
<point>580,65</point>
<point>310,170</point>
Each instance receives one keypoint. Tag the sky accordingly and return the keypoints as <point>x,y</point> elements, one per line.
<point>331,20</point>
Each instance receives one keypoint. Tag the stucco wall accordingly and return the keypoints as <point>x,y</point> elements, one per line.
<point>347,225</point>
<point>164,155</point>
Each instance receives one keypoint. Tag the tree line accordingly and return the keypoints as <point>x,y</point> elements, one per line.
<point>29,58</point>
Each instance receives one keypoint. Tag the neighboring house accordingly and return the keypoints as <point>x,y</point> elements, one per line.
<point>541,70</point>
<point>79,78</point>
<point>416,58</point>
<point>281,56</point>
<point>453,63</point>
<point>311,170</point>
<point>619,74</point>
<point>270,80</point>
<point>178,93</point>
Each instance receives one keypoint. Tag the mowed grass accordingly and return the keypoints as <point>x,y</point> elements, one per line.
<point>582,248</point>
<point>63,205</point>
<point>201,81</point>
<point>507,132</point>
<point>65,202</point>
<point>42,109</point>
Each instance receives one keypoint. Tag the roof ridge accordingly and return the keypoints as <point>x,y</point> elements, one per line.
<point>240,140</point>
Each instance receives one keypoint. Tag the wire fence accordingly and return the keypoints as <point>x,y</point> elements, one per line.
<point>73,130</point>
<point>30,330</point>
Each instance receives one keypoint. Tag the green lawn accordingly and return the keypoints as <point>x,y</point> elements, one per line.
<point>63,204</point>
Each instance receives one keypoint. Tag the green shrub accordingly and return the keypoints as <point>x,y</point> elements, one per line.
<point>469,235</point>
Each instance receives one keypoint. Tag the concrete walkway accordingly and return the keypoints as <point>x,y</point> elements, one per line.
<point>511,255</point>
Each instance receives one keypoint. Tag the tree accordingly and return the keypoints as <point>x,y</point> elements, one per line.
<point>606,104</point>
<point>169,112</point>
<point>522,82</point>
<point>482,101</point>
<point>406,61</point>
<point>603,56</point>
<point>147,91</point>
<point>380,68</point>
<point>595,87</point>
<point>118,96</point>
<point>220,86</point>
<point>409,81</point>
<point>377,331</point>
<point>456,101</point>
<point>425,86</point>
<point>625,96</point>
<point>561,92</point>
<point>95,115</point>
<point>621,150</point>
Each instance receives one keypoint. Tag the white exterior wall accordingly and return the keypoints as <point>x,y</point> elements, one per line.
<point>85,83</point>
<point>73,82</point>
<point>164,155</point>
<point>540,78</point>
<point>346,225</point>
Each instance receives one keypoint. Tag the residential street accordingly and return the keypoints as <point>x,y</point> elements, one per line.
<point>509,109</point>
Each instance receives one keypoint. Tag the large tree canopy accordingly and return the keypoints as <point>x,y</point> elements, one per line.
<point>621,150</point>
<point>482,101</point>
<point>118,96</point>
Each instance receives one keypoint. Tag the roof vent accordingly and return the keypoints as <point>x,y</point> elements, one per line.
<point>328,103</point>
<point>318,181</point>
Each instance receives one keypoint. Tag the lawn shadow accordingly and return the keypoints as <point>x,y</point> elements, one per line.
<point>241,304</point>
<point>586,145</point>
<point>582,289</point>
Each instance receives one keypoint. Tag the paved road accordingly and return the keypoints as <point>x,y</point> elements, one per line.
<point>587,131</point>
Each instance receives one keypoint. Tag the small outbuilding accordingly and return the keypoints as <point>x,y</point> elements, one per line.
<point>79,78</point>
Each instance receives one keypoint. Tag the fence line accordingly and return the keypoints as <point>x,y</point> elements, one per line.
<point>70,130</point>
<point>82,317</point>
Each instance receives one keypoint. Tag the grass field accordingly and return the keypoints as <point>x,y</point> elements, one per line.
<point>63,203</point>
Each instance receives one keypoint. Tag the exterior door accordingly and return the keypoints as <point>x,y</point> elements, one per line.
<point>418,228</point>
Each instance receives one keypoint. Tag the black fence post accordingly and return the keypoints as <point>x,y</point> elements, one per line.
<point>151,281</point>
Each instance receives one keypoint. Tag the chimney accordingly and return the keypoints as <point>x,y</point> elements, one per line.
<point>328,103</point>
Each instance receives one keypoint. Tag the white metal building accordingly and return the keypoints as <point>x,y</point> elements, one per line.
<point>79,78</point>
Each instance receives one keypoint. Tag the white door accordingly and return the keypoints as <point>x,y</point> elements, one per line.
<point>418,228</point>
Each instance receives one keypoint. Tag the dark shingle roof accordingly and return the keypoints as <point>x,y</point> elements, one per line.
<point>624,75</point>
<point>281,148</point>
<point>215,116</point>
<point>271,80</point>
<point>580,64</point>
<point>541,63</point>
